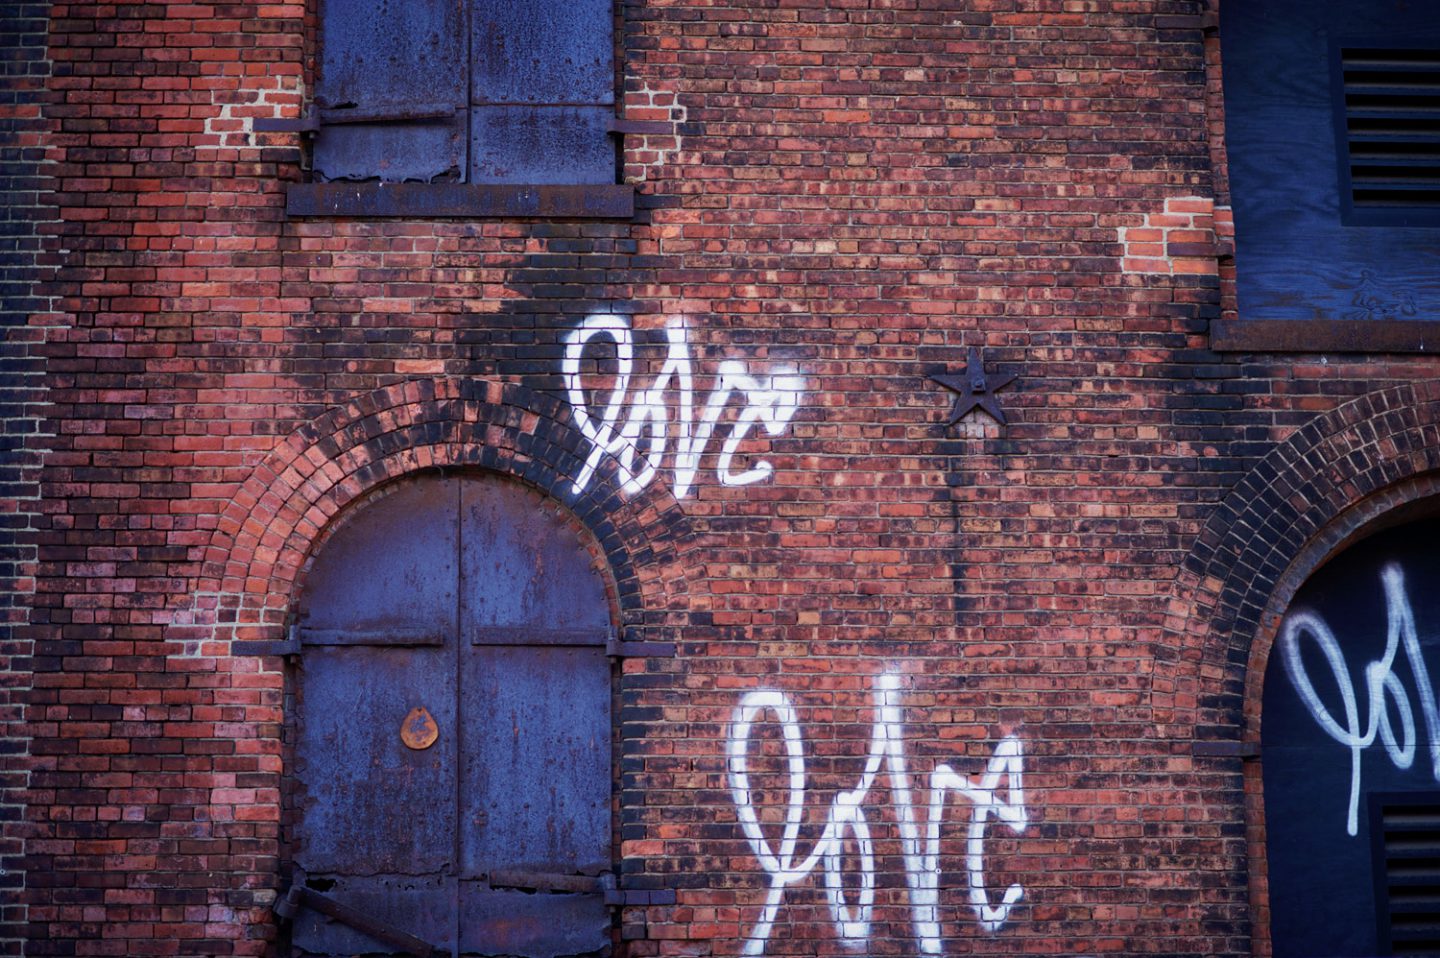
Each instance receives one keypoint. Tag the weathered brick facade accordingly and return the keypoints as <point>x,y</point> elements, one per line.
<point>26,209</point>
<point>851,196</point>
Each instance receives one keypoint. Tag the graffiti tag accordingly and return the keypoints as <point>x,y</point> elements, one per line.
<point>770,401</point>
<point>847,817</point>
<point>1380,680</point>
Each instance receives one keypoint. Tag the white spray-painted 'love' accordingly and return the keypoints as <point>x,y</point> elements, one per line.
<point>770,401</point>
<point>847,816</point>
<point>1379,679</point>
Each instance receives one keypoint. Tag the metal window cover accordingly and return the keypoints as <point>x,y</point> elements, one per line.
<point>567,145</point>
<point>390,53</point>
<point>542,52</point>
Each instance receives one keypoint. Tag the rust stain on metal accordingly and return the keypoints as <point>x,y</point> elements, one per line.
<point>419,730</point>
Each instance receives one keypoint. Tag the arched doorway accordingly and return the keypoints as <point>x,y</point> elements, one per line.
<point>1351,753</point>
<point>452,754</point>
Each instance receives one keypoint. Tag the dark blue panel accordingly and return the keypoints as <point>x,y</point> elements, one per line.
<point>1323,880</point>
<point>381,64</point>
<point>477,600</point>
<point>535,760</point>
<point>1296,258</point>
<point>390,570</point>
<point>425,151</point>
<point>391,54</point>
<point>424,907</point>
<point>560,145</point>
<point>539,925</point>
<point>371,805</point>
<point>376,818</point>
<point>542,51</point>
<point>523,565</point>
<point>535,751</point>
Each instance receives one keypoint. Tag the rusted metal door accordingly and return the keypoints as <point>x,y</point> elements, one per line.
<point>453,731</point>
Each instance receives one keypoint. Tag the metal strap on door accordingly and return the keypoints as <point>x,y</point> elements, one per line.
<point>299,896</point>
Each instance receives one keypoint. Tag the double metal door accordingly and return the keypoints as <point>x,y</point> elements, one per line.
<point>452,752</point>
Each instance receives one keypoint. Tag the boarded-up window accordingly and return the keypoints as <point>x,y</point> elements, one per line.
<point>1331,130</point>
<point>480,92</point>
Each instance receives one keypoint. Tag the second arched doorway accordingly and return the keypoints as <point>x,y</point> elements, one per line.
<point>1351,753</point>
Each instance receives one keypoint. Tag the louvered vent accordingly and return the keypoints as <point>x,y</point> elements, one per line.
<point>1410,852</point>
<point>1392,128</point>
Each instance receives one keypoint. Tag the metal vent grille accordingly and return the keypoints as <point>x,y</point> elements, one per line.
<point>1408,853</point>
<point>1392,128</point>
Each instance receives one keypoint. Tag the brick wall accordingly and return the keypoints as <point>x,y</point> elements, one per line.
<point>856,195</point>
<point>24,209</point>
<point>167,289</point>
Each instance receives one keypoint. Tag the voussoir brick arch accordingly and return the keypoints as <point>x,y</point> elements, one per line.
<point>1341,474</point>
<point>254,565</point>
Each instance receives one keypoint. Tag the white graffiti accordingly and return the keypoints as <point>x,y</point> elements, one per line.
<point>847,817</point>
<point>1379,680</point>
<point>770,401</point>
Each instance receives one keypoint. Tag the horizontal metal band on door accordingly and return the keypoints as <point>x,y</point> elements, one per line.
<point>535,880</point>
<point>519,635</point>
<point>483,636</point>
<point>370,637</point>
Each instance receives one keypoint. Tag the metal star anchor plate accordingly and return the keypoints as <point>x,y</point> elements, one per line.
<point>974,389</point>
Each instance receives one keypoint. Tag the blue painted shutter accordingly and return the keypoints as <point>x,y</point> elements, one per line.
<point>542,92</point>
<point>390,91</point>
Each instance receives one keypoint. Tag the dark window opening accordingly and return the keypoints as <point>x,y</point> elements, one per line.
<point>1332,128</point>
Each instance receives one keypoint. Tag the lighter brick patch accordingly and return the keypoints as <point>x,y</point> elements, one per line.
<point>234,125</point>
<point>1185,239</point>
<point>204,627</point>
<point>646,153</point>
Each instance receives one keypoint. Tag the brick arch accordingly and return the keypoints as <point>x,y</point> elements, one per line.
<point>1325,485</point>
<point>254,564</point>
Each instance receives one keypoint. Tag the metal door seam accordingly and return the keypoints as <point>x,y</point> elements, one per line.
<point>455,844</point>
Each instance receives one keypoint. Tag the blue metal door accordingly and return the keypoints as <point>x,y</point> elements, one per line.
<point>452,757</point>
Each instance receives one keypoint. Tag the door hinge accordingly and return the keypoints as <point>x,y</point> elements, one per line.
<point>312,120</point>
<point>290,645</point>
<point>623,127</point>
<point>1224,748</point>
<point>308,123</point>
